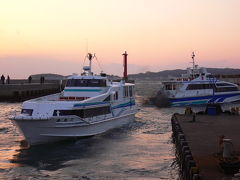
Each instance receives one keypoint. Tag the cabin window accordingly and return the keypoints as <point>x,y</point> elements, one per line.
<point>125,91</point>
<point>130,91</point>
<point>84,113</point>
<point>86,83</point>
<point>210,76</point>
<point>107,98</point>
<point>200,86</point>
<point>68,112</point>
<point>226,89</point>
<point>174,87</point>
<point>96,111</point>
<point>170,86</point>
<point>27,111</point>
<point>116,95</point>
<point>196,75</point>
<point>224,84</point>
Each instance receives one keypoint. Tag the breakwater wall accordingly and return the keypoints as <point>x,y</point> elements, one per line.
<point>188,166</point>
<point>229,78</point>
<point>23,91</point>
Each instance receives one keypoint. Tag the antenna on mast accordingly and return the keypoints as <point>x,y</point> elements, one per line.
<point>193,56</point>
<point>193,62</point>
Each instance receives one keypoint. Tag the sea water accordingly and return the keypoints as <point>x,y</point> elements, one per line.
<point>142,149</point>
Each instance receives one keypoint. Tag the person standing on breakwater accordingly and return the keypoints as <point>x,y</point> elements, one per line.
<point>42,79</point>
<point>29,79</point>
<point>8,80</point>
<point>3,79</point>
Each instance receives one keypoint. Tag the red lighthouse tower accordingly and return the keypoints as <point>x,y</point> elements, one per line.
<point>125,65</point>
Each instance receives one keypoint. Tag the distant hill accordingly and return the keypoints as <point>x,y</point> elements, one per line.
<point>178,72</point>
<point>150,75</point>
<point>48,76</point>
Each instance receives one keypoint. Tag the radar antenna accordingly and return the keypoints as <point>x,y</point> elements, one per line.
<point>88,69</point>
<point>193,62</point>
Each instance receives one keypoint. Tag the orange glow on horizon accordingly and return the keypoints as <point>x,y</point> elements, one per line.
<point>157,34</point>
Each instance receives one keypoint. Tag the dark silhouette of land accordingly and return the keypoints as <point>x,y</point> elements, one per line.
<point>178,72</point>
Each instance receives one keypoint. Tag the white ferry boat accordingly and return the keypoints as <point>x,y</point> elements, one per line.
<point>199,87</point>
<point>89,105</point>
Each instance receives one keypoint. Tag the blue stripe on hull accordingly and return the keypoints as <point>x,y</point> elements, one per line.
<point>190,103</point>
<point>130,103</point>
<point>201,100</point>
<point>89,104</point>
<point>82,90</point>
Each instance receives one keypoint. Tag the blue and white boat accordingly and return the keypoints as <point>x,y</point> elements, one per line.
<point>89,105</point>
<point>199,87</point>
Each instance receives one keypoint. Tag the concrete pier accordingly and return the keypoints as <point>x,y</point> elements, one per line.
<point>24,91</point>
<point>199,140</point>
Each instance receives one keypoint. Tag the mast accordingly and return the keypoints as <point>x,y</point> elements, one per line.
<point>193,62</point>
<point>193,56</point>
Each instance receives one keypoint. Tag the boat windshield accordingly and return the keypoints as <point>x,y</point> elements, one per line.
<point>225,84</point>
<point>86,83</point>
<point>170,86</point>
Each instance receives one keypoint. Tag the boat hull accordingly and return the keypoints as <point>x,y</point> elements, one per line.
<point>201,100</point>
<point>44,131</point>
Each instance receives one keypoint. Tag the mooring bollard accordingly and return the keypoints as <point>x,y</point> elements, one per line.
<point>186,157</point>
<point>178,129</point>
<point>181,136</point>
<point>183,152</point>
<point>180,140</point>
<point>193,170</point>
<point>197,177</point>
<point>190,164</point>
<point>184,143</point>
<point>180,144</point>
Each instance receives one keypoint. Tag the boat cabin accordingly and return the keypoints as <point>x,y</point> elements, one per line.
<point>86,83</point>
<point>84,87</point>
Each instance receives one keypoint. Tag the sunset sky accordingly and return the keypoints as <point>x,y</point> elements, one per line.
<point>53,36</point>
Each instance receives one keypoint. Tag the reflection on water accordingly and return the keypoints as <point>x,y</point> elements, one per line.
<point>139,150</point>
